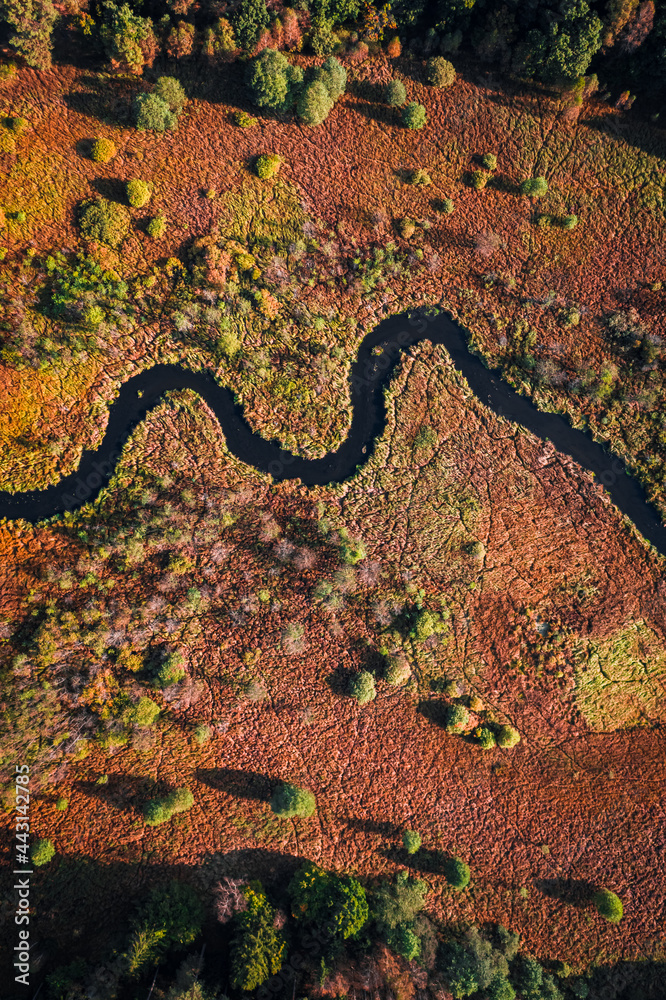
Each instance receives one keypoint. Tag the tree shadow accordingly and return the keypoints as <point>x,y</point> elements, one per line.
<point>382,113</point>
<point>240,784</point>
<point>383,829</point>
<point>373,93</point>
<point>339,681</point>
<point>642,135</point>
<point>104,105</point>
<point>124,791</point>
<point>111,188</point>
<point>426,860</point>
<point>575,892</point>
<point>84,148</point>
<point>434,710</point>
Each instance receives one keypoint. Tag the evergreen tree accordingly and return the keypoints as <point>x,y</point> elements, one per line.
<point>129,40</point>
<point>257,946</point>
<point>250,19</point>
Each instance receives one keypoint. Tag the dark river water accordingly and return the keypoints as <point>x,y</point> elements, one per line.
<point>369,374</point>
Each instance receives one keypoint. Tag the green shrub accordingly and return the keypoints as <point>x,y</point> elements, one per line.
<point>471,965</point>
<point>362,687</point>
<point>31,24</point>
<point>257,947</point>
<point>507,737</point>
<point>41,852</point>
<point>61,803</point>
<point>314,104</point>
<point>152,113</point>
<point>93,316</point>
<point>414,116</point>
<point>457,873</point>
<point>171,671</point>
<point>456,718</point>
<point>440,72</point>
<point>397,670</point>
<point>569,222</point>
<point>104,221</point>
<point>267,165</point>
<point>334,77</point>
<point>202,733</point>
<point>323,899</point>
<point>157,226</point>
<point>500,988</point>
<point>419,178</point>
<point>608,905</point>
<point>489,161</point>
<point>395,94</point>
<point>404,941</point>
<point>138,193</point>
<point>485,737</point>
<point>169,920</point>
<point>535,187</point>
<point>171,91</point>
<point>288,801</point>
<point>244,120</point>
<point>446,206</point>
<point>157,811</point>
<point>476,550</point>
<point>273,82</point>
<point>411,841</point>
<point>145,712</point>
<point>479,180</point>
<point>103,150</point>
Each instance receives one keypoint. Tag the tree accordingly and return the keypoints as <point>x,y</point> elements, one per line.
<point>334,77</point>
<point>456,718</point>
<point>324,899</point>
<point>103,150</point>
<point>32,23</point>
<point>289,801</point>
<point>41,852</point>
<point>257,946</point>
<point>507,737</point>
<point>395,94</point>
<point>104,221</point>
<point>471,965</point>
<point>171,91</point>
<point>273,81</point>
<point>397,903</point>
<point>138,193</point>
<point>267,165</point>
<point>608,905</point>
<point>180,40</point>
<point>414,116</point>
<point>411,841</point>
<point>249,21</point>
<point>562,51</point>
<point>158,811</point>
<point>129,40</point>
<point>441,73</point>
<point>534,187</point>
<point>457,873</point>
<point>314,104</point>
<point>151,112</point>
<point>362,687</point>
<point>169,920</point>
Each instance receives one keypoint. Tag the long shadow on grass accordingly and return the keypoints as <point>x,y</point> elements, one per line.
<point>104,105</point>
<point>575,892</point>
<point>240,784</point>
<point>124,791</point>
<point>641,135</point>
<point>434,710</point>
<point>111,188</point>
<point>381,113</point>
<point>426,860</point>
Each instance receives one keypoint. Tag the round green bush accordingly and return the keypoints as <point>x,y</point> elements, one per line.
<point>404,941</point>
<point>489,161</point>
<point>267,165</point>
<point>157,811</point>
<point>93,316</point>
<point>103,150</point>
<point>397,671</point>
<point>244,120</point>
<point>104,221</point>
<point>288,801</point>
<point>411,841</point>
<point>485,737</point>
<point>569,222</point>
<point>171,671</point>
<point>153,113</point>
<point>456,718</point>
<point>334,77</point>
<point>61,803</point>
<point>534,187</point>
<point>171,91</point>
<point>414,116</point>
<point>608,905</point>
<point>41,852</point>
<point>362,687</point>
<point>457,873</point>
<point>507,737</point>
<point>440,72</point>
<point>157,226</point>
<point>314,104</point>
<point>420,178</point>
<point>272,80</point>
<point>395,94</point>
<point>479,180</point>
<point>138,193</point>
<point>447,206</point>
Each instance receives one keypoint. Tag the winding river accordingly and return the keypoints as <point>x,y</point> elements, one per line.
<point>377,356</point>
